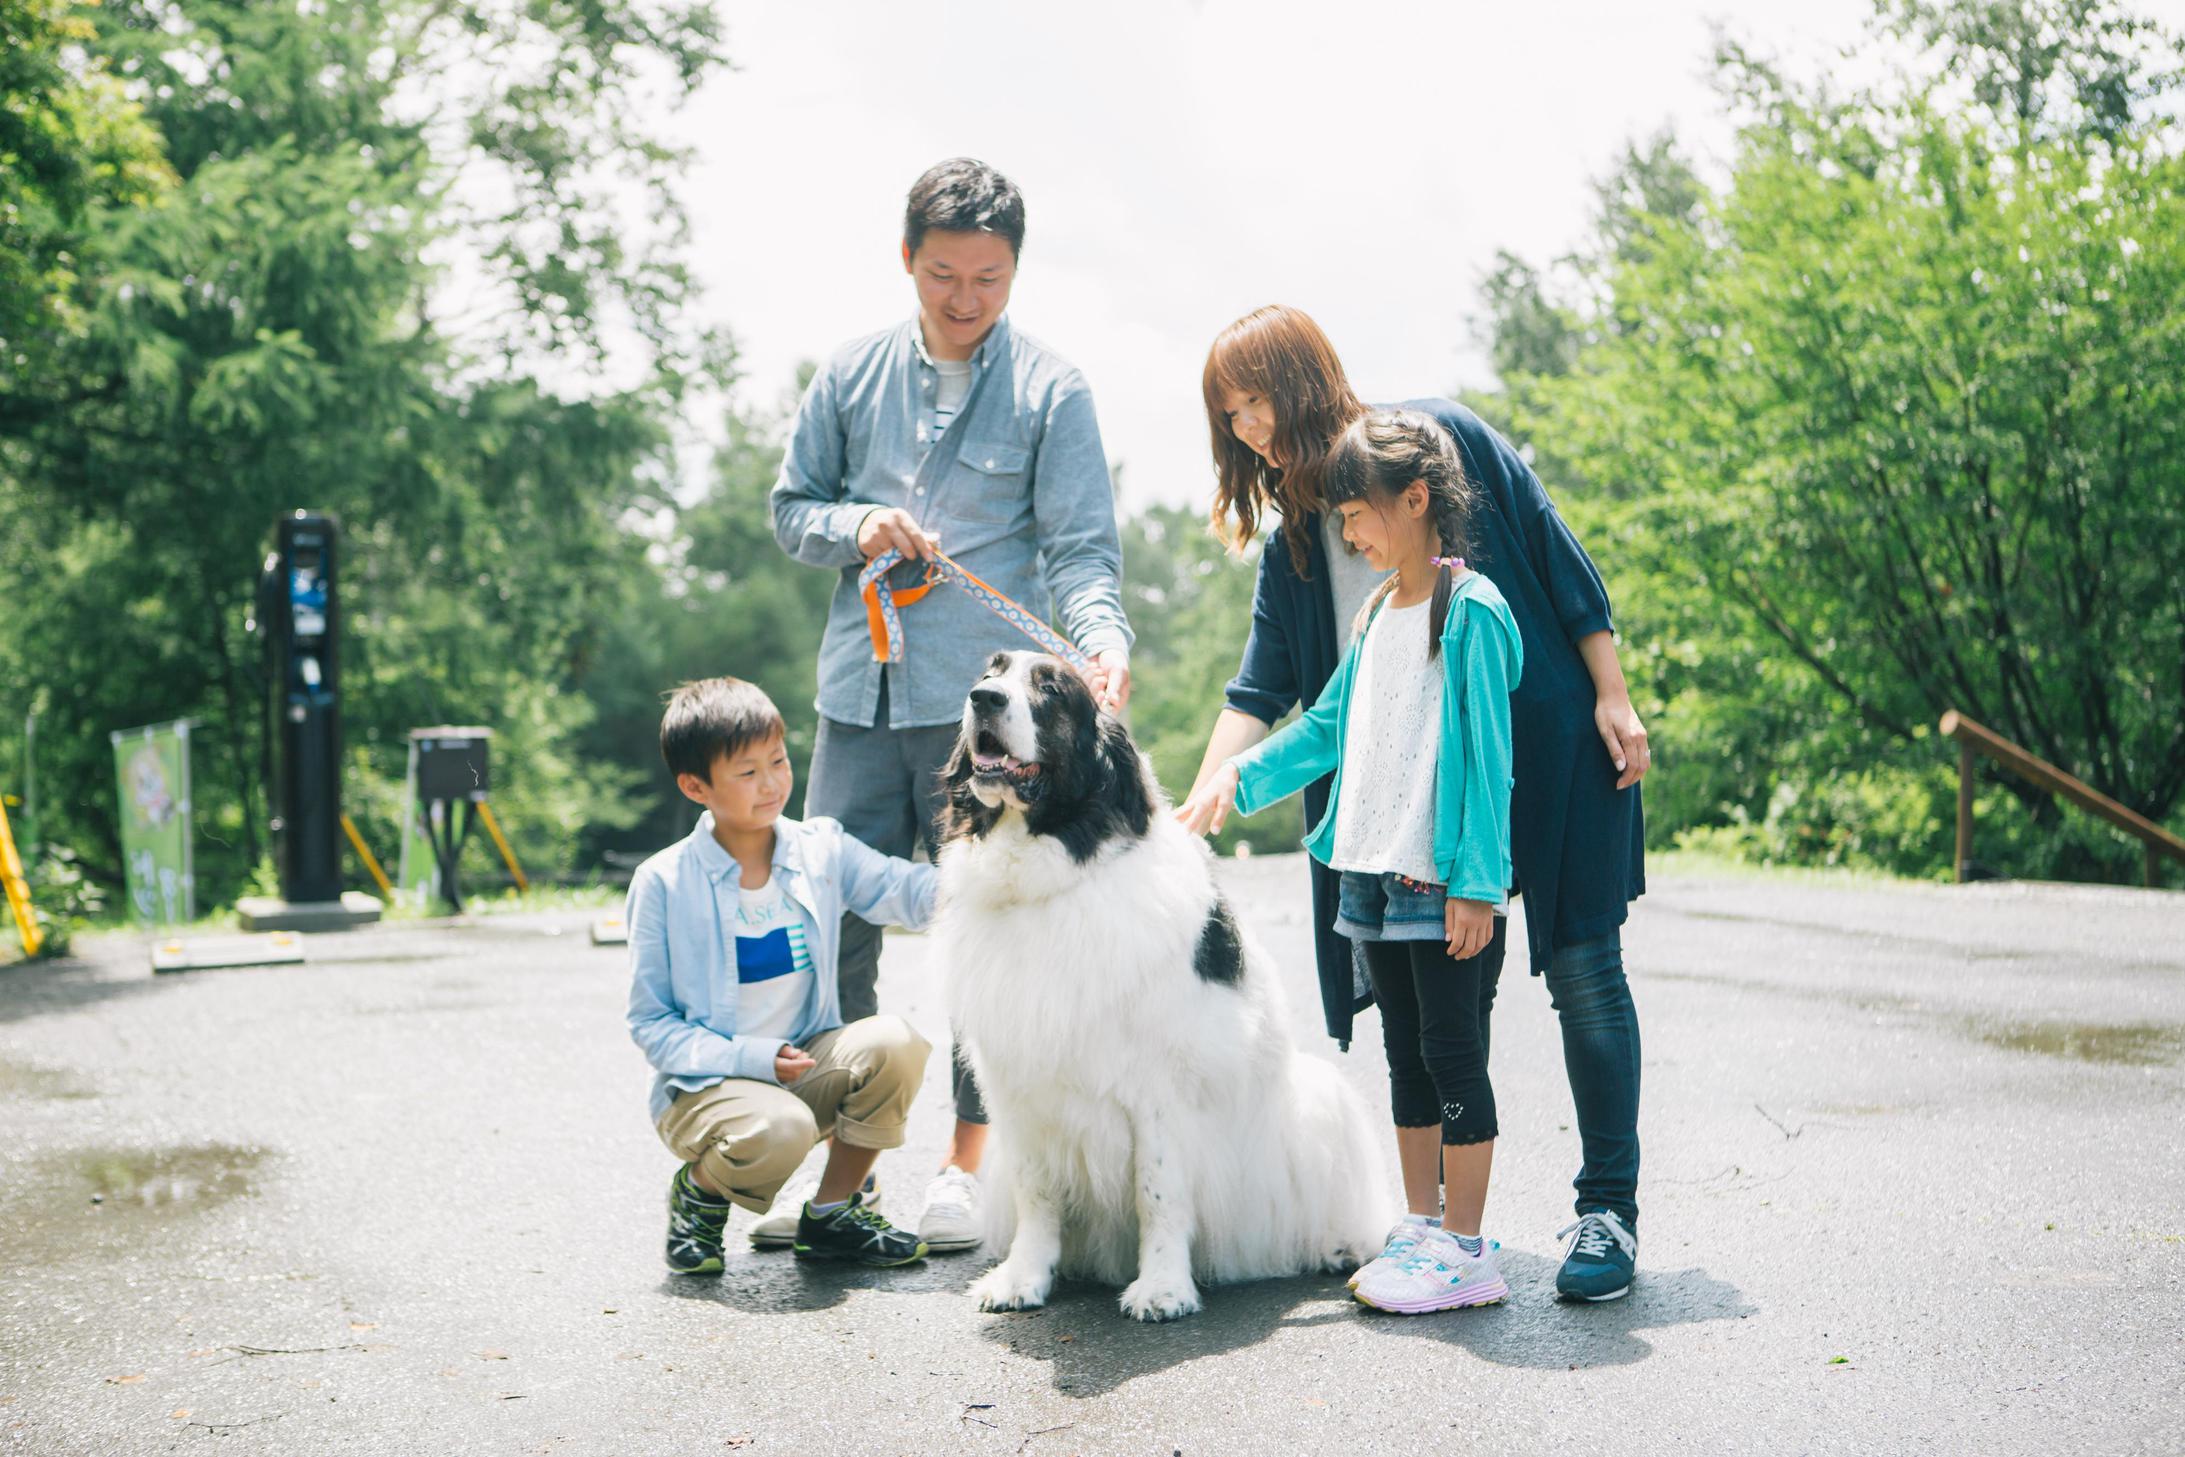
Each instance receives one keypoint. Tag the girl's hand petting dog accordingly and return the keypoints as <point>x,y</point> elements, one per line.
<point>791,1063</point>
<point>1469,925</point>
<point>1209,805</point>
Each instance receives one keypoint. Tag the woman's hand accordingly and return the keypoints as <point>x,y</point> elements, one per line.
<point>1469,925</point>
<point>791,1063</point>
<point>1624,737</point>
<point>1614,719</point>
<point>1209,805</point>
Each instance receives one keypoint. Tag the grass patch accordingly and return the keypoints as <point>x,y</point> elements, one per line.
<point>1690,863</point>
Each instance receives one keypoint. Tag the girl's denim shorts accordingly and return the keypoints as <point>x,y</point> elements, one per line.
<point>1385,906</point>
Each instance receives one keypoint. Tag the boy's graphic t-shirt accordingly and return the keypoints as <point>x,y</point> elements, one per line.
<point>773,966</point>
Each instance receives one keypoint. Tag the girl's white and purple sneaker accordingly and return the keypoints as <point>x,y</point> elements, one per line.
<point>1438,1274</point>
<point>1403,1238</point>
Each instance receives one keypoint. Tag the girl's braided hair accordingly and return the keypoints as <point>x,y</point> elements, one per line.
<point>1375,460</point>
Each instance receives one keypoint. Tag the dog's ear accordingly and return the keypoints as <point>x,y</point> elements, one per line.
<point>964,818</point>
<point>1126,792</point>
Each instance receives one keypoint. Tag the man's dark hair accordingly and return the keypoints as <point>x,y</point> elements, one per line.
<point>714,717</point>
<point>964,195</point>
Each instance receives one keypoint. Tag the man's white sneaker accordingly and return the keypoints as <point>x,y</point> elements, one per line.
<point>951,1218</point>
<point>1436,1275</point>
<point>778,1231</point>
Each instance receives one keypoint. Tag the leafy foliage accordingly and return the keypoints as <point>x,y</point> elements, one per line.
<point>1889,425</point>
<point>275,331</point>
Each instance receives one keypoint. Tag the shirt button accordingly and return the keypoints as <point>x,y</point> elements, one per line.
<point>919,492</point>
<point>989,464</point>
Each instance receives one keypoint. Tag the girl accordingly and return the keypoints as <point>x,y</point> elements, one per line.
<point>1276,401</point>
<point>1415,725</point>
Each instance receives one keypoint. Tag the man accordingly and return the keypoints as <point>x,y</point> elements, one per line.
<point>949,432</point>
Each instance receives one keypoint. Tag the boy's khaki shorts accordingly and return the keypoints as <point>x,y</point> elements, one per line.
<point>747,1137</point>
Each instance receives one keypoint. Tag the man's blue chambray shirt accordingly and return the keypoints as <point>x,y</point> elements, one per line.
<point>1017,490</point>
<point>683,986</point>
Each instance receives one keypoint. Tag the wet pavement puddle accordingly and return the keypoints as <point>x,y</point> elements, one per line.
<point>29,1080</point>
<point>2135,1044</point>
<point>59,1205</point>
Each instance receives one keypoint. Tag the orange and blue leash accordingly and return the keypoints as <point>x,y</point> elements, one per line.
<point>884,604</point>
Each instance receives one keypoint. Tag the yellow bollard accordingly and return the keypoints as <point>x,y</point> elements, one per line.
<point>365,855</point>
<point>11,871</point>
<point>493,828</point>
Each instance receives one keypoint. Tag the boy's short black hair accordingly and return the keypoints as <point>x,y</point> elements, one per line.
<point>714,717</point>
<point>964,195</point>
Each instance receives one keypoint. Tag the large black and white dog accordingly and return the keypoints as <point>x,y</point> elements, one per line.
<point>1153,1124</point>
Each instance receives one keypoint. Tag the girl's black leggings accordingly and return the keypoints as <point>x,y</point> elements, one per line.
<point>1434,1019</point>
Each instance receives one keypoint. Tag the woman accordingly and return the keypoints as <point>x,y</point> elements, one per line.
<point>1276,400</point>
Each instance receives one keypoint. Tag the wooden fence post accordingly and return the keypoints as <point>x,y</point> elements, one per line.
<point>1964,811</point>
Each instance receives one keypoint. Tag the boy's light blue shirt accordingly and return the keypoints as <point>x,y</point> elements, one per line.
<point>683,986</point>
<point>1482,658</point>
<point>1017,489</point>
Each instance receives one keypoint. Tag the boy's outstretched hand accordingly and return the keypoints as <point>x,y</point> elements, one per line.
<point>1470,925</point>
<point>1209,804</point>
<point>791,1063</point>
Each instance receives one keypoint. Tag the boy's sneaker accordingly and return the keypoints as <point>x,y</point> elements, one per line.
<point>1403,1238</point>
<point>951,1217</point>
<point>696,1222</point>
<point>1436,1275</point>
<point>1598,1261</point>
<point>856,1232</point>
<point>778,1231</point>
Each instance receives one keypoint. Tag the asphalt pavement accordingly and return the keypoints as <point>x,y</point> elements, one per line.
<point>1914,1182</point>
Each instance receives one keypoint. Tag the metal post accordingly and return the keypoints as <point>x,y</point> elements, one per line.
<point>30,785</point>
<point>1964,811</point>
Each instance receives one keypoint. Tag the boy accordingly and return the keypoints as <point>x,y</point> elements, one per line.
<point>950,431</point>
<point>733,943</point>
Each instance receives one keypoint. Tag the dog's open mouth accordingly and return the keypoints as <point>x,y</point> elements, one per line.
<point>988,761</point>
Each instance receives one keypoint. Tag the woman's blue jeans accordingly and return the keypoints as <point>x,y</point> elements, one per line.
<point>1601,1055</point>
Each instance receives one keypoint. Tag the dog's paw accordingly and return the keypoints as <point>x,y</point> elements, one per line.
<point>1155,1297</point>
<point>1009,1288</point>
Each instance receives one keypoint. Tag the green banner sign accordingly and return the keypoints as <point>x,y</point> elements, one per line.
<point>152,766</point>
<point>417,876</point>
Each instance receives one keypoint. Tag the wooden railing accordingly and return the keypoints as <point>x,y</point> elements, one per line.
<point>1975,738</point>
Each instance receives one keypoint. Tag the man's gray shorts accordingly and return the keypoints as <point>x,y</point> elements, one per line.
<point>885,786</point>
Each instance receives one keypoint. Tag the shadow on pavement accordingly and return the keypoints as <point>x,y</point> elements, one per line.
<point>32,989</point>
<point>761,1282</point>
<point>1093,1348</point>
<point>1536,1330</point>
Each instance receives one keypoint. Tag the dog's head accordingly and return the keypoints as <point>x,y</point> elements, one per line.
<point>1033,741</point>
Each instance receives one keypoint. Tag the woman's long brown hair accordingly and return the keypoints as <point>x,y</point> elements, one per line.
<point>1281,355</point>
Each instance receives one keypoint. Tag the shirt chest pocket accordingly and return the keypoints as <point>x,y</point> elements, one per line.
<point>991,482</point>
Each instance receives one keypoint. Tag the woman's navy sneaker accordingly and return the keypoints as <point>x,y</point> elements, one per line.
<point>696,1222</point>
<point>858,1232</point>
<point>1598,1261</point>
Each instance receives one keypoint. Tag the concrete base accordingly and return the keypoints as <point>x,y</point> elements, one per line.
<point>278,948</point>
<point>267,913</point>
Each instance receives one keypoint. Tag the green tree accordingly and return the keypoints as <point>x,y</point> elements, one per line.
<point>71,142</point>
<point>1904,401</point>
<point>1190,604</point>
<point>282,330</point>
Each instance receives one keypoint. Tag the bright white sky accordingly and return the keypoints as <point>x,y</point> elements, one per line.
<point>1183,163</point>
